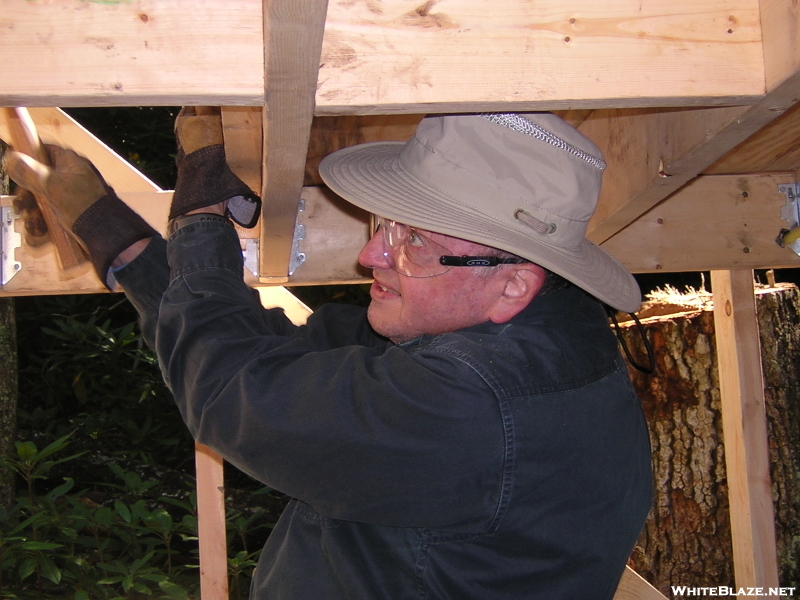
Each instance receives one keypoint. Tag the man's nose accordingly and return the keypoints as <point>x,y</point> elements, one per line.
<point>372,255</point>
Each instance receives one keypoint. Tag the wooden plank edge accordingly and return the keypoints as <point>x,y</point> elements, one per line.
<point>744,426</point>
<point>676,173</point>
<point>633,586</point>
<point>211,535</point>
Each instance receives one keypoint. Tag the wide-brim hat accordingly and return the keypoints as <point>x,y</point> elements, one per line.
<point>522,183</point>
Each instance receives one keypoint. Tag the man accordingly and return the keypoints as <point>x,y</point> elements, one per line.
<point>476,436</point>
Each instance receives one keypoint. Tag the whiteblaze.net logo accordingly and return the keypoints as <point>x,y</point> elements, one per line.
<point>725,591</point>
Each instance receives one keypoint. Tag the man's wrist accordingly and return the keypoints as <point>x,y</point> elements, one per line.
<point>194,217</point>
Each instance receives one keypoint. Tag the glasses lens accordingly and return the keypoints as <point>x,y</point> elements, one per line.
<point>410,251</point>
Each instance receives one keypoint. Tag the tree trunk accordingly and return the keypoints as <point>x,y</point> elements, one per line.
<point>687,537</point>
<point>8,374</point>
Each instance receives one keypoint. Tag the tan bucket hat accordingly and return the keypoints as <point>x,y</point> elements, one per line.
<point>523,183</point>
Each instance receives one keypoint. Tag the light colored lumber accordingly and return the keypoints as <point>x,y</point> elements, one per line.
<point>390,56</point>
<point>771,149</point>
<point>279,296</point>
<point>335,232</point>
<point>633,586</point>
<point>40,274</point>
<point>56,127</point>
<point>151,52</point>
<point>715,222</point>
<point>744,428</point>
<point>243,137</point>
<point>329,134</point>
<point>409,56</point>
<point>211,524</point>
<point>779,23</point>
<point>651,154</point>
<point>293,31</point>
<point>24,139</point>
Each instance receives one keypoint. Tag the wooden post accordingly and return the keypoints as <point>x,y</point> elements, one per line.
<point>745,429</point>
<point>211,524</point>
<point>632,586</point>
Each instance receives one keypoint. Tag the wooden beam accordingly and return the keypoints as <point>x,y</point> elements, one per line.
<point>772,149</point>
<point>211,524</point>
<point>633,586</point>
<point>393,56</point>
<point>651,154</point>
<point>57,127</point>
<point>781,47</point>
<point>293,31</point>
<point>745,429</point>
<point>403,56</point>
<point>715,222</point>
<point>131,53</point>
<point>329,134</point>
<point>40,274</point>
<point>335,233</point>
<point>244,140</point>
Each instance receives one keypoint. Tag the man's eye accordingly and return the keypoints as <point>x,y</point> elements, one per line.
<point>415,239</point>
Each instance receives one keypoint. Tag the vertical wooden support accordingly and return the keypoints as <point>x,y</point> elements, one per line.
<point>745,429</point>
<point>293,31</point>
<point>211,524</point>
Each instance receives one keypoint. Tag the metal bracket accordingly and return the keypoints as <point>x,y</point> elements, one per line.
<point>297,258</point>
<point>790,212</point>
<point>10,240</point>
<point>250,254</point>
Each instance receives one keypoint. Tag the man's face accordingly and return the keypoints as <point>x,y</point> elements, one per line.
<point>404,308</point>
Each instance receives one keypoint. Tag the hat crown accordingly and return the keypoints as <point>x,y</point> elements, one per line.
<point>502,163</point>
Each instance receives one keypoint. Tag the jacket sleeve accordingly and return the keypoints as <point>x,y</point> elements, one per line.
<point>328,413</point>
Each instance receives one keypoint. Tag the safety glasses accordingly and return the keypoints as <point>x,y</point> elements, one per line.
<point>413,253</point>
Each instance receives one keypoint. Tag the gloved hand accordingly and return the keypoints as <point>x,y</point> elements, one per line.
<point>36,233</point>
<point>204,178</point>
<point>82,202</point>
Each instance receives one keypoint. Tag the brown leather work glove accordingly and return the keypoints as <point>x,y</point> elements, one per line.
<point>82,202</point>
<point>204,178</point>
<point>36,233</point>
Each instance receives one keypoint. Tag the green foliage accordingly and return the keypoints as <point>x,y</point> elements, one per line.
<point>106,505</point>
<point>142,134</point>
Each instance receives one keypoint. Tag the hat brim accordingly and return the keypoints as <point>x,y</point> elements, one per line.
<point>371,177</point>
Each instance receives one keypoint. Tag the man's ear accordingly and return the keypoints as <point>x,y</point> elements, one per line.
<point>522,283</point>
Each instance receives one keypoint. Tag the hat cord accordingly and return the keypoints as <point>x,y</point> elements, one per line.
<point>537,225</point>
<point>640,328</point>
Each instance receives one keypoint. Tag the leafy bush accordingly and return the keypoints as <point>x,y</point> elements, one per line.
<point>106,505</point>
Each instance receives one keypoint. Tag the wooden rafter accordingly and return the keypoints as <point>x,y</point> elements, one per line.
<point>140,53</point>
<point>293,31</point>
<point>664,150</point>
<point>715,222</point>
<point>392,56</point>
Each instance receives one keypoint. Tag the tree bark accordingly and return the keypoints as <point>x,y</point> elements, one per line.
<point>687,537</point>
<point>8,374</point>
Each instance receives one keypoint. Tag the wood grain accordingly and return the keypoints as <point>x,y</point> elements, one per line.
<point>745,429</point>
<point>715,222</point>
<point>293,31</point>
<point>211,524</point>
